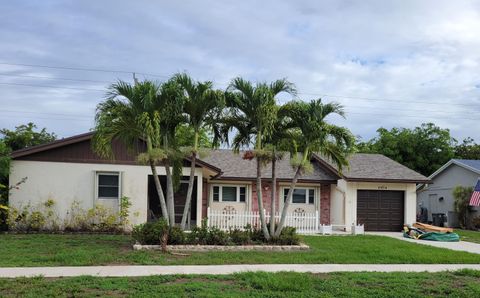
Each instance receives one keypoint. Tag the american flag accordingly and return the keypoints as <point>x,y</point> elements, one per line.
<point>475,199</point>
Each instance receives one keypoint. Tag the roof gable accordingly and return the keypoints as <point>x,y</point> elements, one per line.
<point>469,164</point>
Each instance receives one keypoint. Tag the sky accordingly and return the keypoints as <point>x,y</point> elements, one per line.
<point>390,63</point>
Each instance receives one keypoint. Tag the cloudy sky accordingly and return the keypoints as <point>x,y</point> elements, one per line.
<point>391,63</point>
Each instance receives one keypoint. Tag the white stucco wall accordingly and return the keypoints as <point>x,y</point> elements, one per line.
<point>350,190</point>
<point>337,206</point>
<point>68,182</point>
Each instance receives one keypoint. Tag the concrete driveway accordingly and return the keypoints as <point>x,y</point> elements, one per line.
<point>460,246</point>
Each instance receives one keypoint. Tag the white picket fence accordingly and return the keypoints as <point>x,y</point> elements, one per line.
<point>305,223</point>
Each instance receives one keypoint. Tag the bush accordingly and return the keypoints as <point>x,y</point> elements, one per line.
<point>150,233</point>
<point>239,237</point>
<point>176,236</point>
<point>288,236</point>
<point>476,222</point>
<point>215,236</point>
<point>153,232</point>
<point>99,218</point>
<point>38,218</point>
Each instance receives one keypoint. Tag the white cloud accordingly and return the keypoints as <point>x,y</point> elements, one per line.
<point>413,51</point>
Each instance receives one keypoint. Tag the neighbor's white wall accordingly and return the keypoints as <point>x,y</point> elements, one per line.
<point>350,189</point>
<point>68,182</point>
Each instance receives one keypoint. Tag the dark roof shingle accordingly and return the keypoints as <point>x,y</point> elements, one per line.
<point>371,167</point>
<point>234,166</point>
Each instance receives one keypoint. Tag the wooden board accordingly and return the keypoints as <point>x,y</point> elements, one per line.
<point>430,228</point>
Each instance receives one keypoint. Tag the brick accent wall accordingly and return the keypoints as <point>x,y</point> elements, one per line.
<point>266,195</point>
<point>325,204</point>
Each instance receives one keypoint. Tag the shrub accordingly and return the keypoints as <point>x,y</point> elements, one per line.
<point>288,236</point>
<point>38,218</point>
<point>154,232</point>
<point>239,237</point>
<point>215,236</point>
<point>176,236</point>
<point>150,233</point>
<point>198,235</point>
<point>476,222</point>
<point>99,218</point>
<point>461,197</point>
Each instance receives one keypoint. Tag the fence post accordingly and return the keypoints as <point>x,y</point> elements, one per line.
<point>208,216</point>
<point>317,221</point>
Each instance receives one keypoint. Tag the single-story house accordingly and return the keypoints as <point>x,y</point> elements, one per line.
<point>374,190</point>
<point>437,197</point>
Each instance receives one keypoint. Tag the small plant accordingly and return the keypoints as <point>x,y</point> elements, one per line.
<point>151,232</point>
<point>288,236</point>
<point>462,196</point>
<point>176,236</point>
<point>239,237</point>
<point>476,222</point>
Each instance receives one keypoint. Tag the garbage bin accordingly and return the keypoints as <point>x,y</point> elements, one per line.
<point>439,219</point>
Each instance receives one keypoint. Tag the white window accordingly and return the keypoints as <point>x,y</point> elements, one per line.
<point>108,185</point>
<point>301,195</point>
<point>229,193</point>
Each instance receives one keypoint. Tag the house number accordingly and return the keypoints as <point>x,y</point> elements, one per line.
<point>382,187</point>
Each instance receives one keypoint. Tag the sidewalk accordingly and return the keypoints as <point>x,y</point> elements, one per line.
<point>459,246</point>
<point>119,271</point>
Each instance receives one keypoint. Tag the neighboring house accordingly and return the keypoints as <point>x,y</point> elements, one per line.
<point>438,198</point>
<point>374,190</point>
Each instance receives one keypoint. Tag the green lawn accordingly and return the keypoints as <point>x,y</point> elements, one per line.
<point>466,235</point>
<point>283,284</point>
<point>75,250</point>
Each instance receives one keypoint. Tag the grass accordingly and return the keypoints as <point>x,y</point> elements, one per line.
<point>284,284</point>
<point>467,235</point>
<point>76,250</point>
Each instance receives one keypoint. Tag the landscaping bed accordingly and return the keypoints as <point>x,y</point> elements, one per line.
<point>205,248</point>
<point>158,234</point>
<point>259,284</point>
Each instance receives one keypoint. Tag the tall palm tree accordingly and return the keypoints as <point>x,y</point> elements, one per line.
<point>276,143</point>
<point>169,104</point>
<point>313,134</point>
<point>129,114</point>
<point>253,114</point>
<point>202,104</point>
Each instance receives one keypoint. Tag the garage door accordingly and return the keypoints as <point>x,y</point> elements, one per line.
<point>380,210</point>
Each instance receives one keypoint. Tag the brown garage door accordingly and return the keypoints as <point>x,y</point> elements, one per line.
<point>380,210</point>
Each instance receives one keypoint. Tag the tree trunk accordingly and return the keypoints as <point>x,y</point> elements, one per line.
<point>188,200</point>
<point>273,195</point>
<point>287,202</point>
<point>170,198</point>
<point>260,200</point>
<point>158,186</point>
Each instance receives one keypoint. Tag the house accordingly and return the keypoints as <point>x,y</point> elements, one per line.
<point>374,190</point>
<point>437,197</point>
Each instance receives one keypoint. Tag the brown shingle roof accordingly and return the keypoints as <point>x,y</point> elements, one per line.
<point>377,167</point>
<point>363,167</point>
<point>234,166</point>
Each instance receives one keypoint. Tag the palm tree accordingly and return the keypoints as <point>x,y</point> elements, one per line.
<point>277,143</point>
<point>253,114</point>
<point>169,104</point>
<point>129,114</point>
<point>312,134</point>
<point>202,104</point>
